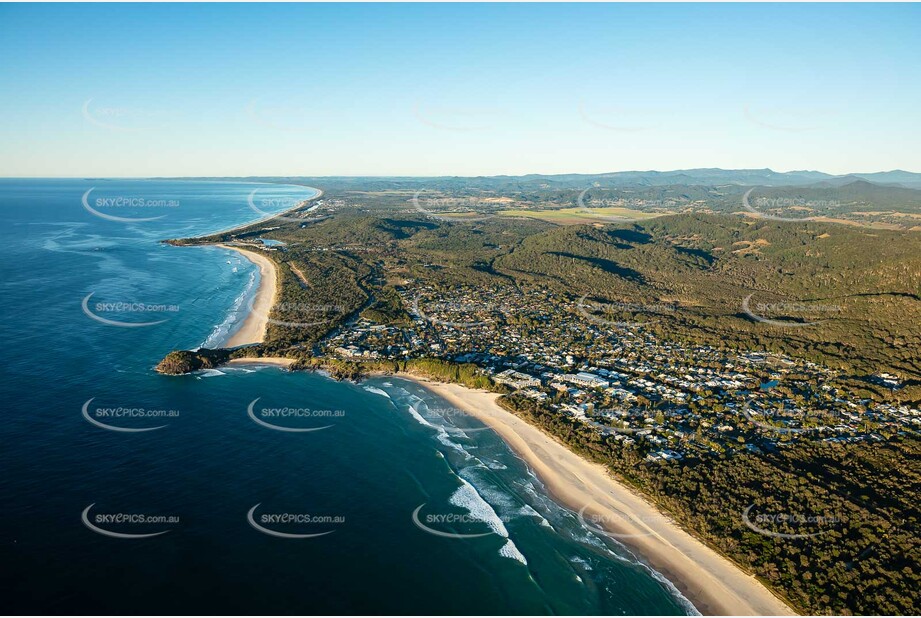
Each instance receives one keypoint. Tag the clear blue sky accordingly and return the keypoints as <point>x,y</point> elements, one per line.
<point>185,90</point>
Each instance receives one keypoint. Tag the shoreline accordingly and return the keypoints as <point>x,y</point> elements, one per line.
<point>710,581</point>
<point>268,218</point>
<point>274,361</point>
<point>256,322</point>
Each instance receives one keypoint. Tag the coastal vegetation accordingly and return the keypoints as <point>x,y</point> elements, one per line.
<point>180,362</point>
<point>858,552</point>
<point>465,374</point>
<point>860,291</point>
<point>698,273</point>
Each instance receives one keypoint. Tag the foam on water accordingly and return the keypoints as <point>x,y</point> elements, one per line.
<point>528,511</point>
<point>582,562</point>
<point>467,497</point>
<point>495,496</point>
<point>509,550</point>
<point>376,391</point>
<point>419,418</point>
<point>590,538</point>
<point>413,399</point>
<point>211,373</point>
<point>440,433</point>
<point>221,333</point>
<point>479,495</point>
<point>682,600</point>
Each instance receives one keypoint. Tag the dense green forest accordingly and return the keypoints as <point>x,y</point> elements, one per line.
<point>864,555</point>
<point>859,290</point>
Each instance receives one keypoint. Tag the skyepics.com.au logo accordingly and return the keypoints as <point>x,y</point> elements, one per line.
<point>297,315</point>
<point>128,525</point>
<point>787,525</point>
<point>455,209</point>
<point>288,114</point>
<point>266,203</point>
<point>459,525</point>
<point>293,525</point>
<point>289,419</point>
<point>764,207</point>
<point>783,420</point>
<point>618,420</point>
<point>462,313</point>
<point>438,413</point>
<point>126,118</point>
<point>620,525</point>
<point>786,314</point>
<point>104,206</point>
<point>591,201</point>
<point>122,418</point>
<point>125,308</point>
<point>612,313</point>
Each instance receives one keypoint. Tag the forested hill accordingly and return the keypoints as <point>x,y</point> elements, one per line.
<point>851,296</point>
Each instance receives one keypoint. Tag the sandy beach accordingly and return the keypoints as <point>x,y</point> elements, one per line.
<point>274,361</point>
<point>269,218</point>
<point>257,320</point>
<point>710,581</point>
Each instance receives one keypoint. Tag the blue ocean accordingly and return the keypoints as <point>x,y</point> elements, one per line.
<point>251,489</point>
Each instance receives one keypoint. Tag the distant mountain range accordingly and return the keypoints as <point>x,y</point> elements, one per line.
<point>711,177</point>
<point>747,177</point>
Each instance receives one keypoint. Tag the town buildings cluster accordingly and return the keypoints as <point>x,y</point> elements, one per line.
<point>669,400</point>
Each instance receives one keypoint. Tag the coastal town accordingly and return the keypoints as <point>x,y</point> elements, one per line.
<point>608,372</point>
<point>461,309</point>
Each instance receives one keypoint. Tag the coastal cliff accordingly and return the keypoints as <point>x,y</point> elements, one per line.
<point>181,362</point>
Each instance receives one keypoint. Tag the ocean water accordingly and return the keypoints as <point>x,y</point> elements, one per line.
<point>245,490</point>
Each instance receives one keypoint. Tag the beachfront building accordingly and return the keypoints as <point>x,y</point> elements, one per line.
<point>586,380</point>
<point>516,379</point>
<point>357,353</point>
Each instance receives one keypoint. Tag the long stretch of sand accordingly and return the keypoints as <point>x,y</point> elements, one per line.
<point>257,320</point>
<point>710,581</point>
<point>268,218</point>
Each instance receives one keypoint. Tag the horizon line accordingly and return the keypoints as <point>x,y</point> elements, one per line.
<point>628,171</point>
